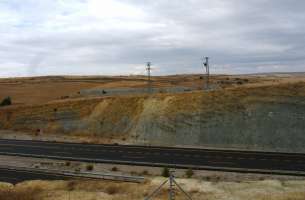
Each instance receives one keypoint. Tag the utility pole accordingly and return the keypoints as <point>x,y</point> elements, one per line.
<point>172,191</point>
<point>206,65</point>
<point>149,85</point>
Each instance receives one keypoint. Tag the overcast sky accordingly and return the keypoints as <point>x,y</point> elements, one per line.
<point>107,37</point>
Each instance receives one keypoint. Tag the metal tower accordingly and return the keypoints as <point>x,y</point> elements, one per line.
<point>172,191</point>
<point>149,85</point>
<point>206,65</point>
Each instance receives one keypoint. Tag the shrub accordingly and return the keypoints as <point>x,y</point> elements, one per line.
<point>89,167</point>
<point>6,101</point>
<point>68,163</point>
<point>145,172</point>
<point>133,173</point>
<point>112,190</point>
<point>189,173</point>
<point>114,169</point>
<point>165,172</point>
<point>71,185</point>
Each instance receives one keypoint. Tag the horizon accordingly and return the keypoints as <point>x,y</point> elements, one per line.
<point>164,75</point>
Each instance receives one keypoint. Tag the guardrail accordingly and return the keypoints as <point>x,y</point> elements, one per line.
<point>88,175</point>
<point>154,164</point>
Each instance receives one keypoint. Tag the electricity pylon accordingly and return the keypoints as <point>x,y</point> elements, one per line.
<point>171,191</point>
<point>149,85</point>
<point>206,65</point>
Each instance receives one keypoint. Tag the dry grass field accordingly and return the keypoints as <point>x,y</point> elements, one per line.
<point>39,90</point>
<point>108,190</point>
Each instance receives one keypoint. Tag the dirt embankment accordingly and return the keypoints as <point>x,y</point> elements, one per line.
<point>264,117</point>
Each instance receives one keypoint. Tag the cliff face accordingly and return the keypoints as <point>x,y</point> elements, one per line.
<point>258,118</point>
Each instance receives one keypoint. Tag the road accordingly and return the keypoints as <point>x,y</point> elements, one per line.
<point>225,160</point>
<point>15,176</point>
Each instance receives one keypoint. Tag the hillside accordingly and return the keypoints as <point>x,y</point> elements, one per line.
<point>258,115</point>
<point>39,90</point>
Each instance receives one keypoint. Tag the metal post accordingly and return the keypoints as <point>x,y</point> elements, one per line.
<point>171,195</point>
<point>207,71</point>
<point>148,68</point>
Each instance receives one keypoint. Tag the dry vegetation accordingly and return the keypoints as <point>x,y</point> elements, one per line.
<point>38,90</point>
<point>230,97</point>
<point>43,96</point>
<point>41,90</point>
<point>91,190</point>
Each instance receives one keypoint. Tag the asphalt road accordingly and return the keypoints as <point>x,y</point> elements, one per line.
<point>15,176</point>
<point>242,161</point>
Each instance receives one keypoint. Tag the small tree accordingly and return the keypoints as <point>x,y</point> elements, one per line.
<point>6,101</point>
<point>165,172</point>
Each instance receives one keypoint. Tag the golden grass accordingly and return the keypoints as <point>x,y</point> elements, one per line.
<point>39,90</point>
<point>109,190</point>
<point>20,194</point>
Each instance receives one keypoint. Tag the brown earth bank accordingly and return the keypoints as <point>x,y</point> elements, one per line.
<point>198,189</point>
<point>261,112</point>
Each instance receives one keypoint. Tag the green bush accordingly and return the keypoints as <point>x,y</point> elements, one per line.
<point>165,172</point>
<point>6,101</point>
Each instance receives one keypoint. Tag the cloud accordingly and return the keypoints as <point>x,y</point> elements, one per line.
<point>50,37</point>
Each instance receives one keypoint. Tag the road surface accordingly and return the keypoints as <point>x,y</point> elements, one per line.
<point>15,176</point>
<point>225,160</point>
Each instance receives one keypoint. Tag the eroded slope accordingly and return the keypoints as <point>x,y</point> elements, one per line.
<point>267,117</point>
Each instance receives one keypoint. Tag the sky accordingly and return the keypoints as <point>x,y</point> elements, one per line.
<point>117,37</point>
